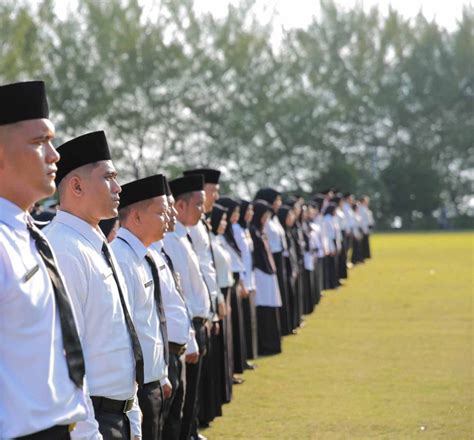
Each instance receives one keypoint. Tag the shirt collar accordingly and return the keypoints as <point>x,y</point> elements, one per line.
<point>94,236</point>
<point>158,245</point>
<point>181,230</point>
<point>12,215</point>
<point>137,246</point>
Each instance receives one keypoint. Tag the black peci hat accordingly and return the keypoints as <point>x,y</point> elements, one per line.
<point>83,150</point>
<point>187,184</point>
<point>142,189</point>
<point>210,175</point>
<point>23,101</point>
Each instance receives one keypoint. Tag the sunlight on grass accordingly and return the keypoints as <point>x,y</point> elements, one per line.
<point>388,356</point>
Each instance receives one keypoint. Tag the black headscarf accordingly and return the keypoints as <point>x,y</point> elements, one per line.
<point>217,213</point>
<point>244,206</point>
<point>292,264</point>
<point>283,215</point>
<point>267,194</point>
<point>305,228</point>
<point>319,200</point>
<point>231,204</point>
<point>330,209</point>
<point>263,258</point>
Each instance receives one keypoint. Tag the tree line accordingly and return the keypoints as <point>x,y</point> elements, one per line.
<point>367,102</point>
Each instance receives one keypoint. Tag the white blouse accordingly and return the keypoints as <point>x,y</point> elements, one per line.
<point>223,261</point>
<point>267,292</point>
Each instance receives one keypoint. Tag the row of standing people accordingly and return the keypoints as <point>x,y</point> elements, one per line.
<point>142,336</point>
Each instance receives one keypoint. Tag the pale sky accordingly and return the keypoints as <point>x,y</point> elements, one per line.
<point>298,13</point>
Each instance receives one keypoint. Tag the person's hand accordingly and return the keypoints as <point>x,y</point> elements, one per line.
<point>136,437</point>
<point>192,358</point>
<point>244,293</point>
<point>216,328</point>
<point>221,311</point>
<point>167,390</point>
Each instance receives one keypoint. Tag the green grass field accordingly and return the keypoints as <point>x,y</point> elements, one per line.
<point>388,356</point>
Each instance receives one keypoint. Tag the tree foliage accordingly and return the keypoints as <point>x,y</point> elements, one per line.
<point>370,103</point>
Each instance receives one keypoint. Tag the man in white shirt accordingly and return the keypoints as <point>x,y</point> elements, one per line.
<point>183,347</point>
<point>143,215</point>
<point>88,193</point>
<point>200,236</point>
<point>189,195</point>
<point>37,325</point>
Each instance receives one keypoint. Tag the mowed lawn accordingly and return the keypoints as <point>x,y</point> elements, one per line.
<point>387,356</point>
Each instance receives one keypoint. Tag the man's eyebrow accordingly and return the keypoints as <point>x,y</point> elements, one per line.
<point>111,173</point>
<point>43,137</point>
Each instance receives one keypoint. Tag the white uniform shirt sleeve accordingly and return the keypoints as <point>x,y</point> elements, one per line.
<point>201,246</point>
<point>89,428</point>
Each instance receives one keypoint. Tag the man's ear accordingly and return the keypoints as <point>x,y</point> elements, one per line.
<point>75,184</point>
<point>179,205</point>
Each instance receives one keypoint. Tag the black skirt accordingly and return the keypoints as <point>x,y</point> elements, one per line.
<point>250,325</point>
<point>238,327</point>
<point>318,279</point>
<point>285,321</point>
<point>357,256</point>
<point>291,289</point>
<point>365,246</point>
<point>269,333</point>
<point>308,295</point>
<point>227,359</point>
<point>343,260</point>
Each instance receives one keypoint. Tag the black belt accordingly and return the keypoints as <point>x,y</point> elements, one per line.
<point>111,405</point>
<point>177,349</point>
<point>199,320</point>
<point>153,384</point>
<point>53,432</point>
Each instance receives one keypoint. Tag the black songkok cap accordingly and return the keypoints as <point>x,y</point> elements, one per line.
<point>83,150</point>
<point>23,101</point>
<point>167,187</point>
<point>187,184</point>
<point>210,175</point>
<point>142,189</point>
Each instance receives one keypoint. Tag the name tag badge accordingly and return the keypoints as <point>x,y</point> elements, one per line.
<point>162,267</point>
<point>30,273</point>
<point>107,274</point>
<point>149,283</point>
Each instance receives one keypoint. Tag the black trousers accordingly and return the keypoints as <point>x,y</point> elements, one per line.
<point>113,426</point>
<point>193,377</point>
<point>173,407</point>
<point>150,399</point>
<point>58,432</point>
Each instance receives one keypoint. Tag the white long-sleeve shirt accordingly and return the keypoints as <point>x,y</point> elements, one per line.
<point>275,234</point>
<point>365,218</point>
<point>186,264</point>
<point>178,322</point>
<point>245,244</point>
<point>202,247</point>
<point>36,392</point>
<point>351,224</point>
<point>223,261</point>
<point>108,354</point>
<point>130,253</point>
<point>330,231</point>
